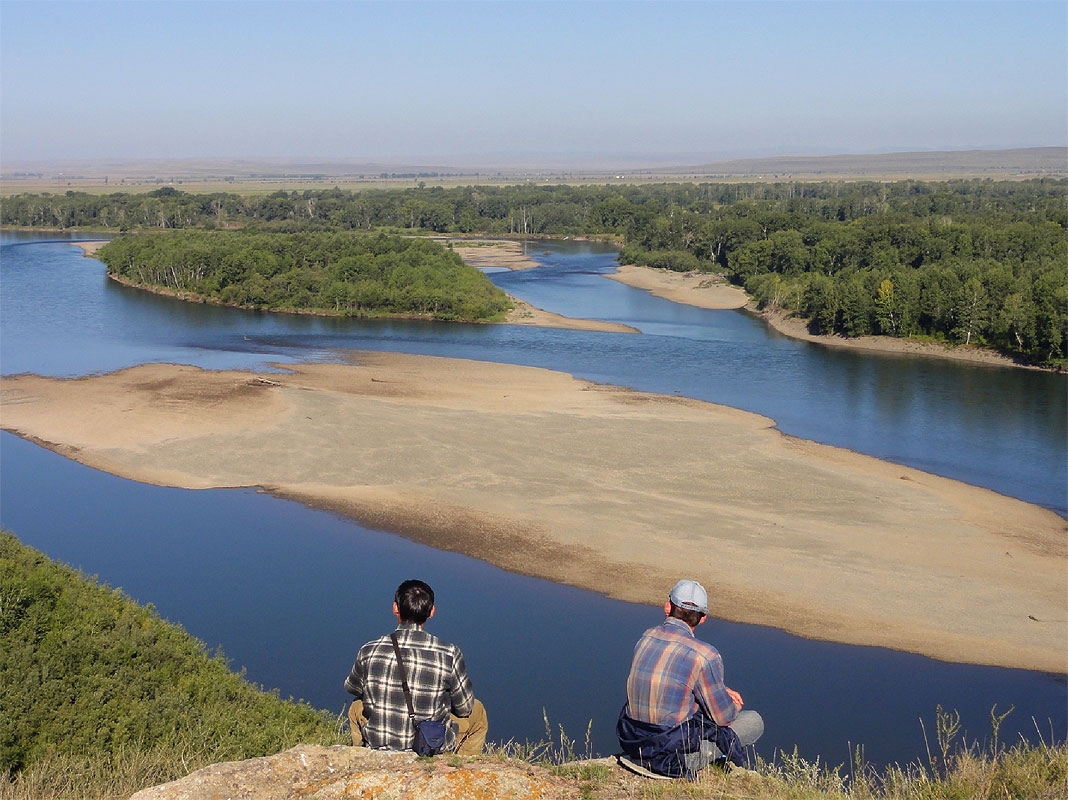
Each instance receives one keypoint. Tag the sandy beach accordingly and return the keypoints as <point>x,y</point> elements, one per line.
<point>692,288</point>
<point>90,248</point>
<point>595,486</point>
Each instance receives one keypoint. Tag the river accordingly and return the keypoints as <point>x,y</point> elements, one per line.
<point>291,592</point>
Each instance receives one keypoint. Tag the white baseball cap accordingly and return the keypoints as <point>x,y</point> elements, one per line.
<point>690,595</point>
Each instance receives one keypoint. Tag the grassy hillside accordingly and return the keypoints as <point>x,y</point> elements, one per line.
<point>100,696</point>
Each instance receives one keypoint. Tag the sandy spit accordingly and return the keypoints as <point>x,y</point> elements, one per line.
<point>525,314</point>
<point>483,253</point>
<point>594,486</point>
<point>89,248</point>
<point>691,288</point>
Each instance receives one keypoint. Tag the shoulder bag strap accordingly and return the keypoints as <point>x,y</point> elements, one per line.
<point>403,676</point>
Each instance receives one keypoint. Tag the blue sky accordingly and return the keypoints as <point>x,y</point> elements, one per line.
<point>425,81</point>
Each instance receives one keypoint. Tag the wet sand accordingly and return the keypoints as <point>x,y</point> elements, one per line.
<point>595,486</point>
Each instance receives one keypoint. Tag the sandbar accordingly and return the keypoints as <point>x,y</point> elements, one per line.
<point>595,486</point>
<point>499,253</point>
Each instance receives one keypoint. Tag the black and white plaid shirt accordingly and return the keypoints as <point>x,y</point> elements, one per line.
<point>437,677</point>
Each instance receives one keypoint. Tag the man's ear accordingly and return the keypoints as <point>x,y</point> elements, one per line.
<point>396,612</point>
<point>432,610</point>
<point>701,621</point>
<point>667,609</point>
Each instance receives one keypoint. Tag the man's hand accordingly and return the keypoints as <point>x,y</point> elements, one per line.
<point>737,698</point>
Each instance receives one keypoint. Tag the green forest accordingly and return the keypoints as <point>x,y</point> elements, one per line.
<point>976,262</point>
<point>91,683</point>
<point>343,273</point>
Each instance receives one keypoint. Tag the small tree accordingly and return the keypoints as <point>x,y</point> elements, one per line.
<point>971,310</point>
<point>886,312</point>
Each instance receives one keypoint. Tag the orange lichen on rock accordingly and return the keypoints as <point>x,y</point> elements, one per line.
<point>355,773</point>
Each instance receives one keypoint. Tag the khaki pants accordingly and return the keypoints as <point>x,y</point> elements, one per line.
<point>470,736</point>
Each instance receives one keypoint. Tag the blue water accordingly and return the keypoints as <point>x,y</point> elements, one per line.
<point>292,592</point>
<point>1004,429</point>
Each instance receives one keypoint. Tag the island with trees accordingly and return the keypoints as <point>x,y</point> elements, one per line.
<point>339,273</point>
<point>968,262</point>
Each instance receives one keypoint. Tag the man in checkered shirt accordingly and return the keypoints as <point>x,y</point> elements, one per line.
<point>679,715</point>
<point>437,678</point>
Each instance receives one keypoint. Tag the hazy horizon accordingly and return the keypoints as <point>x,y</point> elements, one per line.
<point>527,83</point>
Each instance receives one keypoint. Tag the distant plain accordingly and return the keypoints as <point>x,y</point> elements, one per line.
<point>264,176</point>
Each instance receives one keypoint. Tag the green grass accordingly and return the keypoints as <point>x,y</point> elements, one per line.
<point>954,769</point>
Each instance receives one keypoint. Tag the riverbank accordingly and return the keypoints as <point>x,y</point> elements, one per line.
<point>522,312</point>
<point>797,328</point>
<point>594,486</point>
<point>705,291</point>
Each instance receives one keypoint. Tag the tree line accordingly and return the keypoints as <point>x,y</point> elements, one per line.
<point>338,272</point>
<point>970,261</point>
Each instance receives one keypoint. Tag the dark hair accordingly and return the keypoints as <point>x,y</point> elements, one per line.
<point>688,615</point>
<point>415,601</point>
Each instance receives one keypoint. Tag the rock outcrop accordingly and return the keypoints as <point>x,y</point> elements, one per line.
<point>332,773</point>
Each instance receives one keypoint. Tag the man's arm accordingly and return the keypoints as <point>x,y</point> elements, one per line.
<point>461,695</point>
<point>737,698</point>
<point>357,679</point>
<point>719,702</point>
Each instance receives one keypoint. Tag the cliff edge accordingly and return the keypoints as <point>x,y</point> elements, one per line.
<point>329,773</point>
